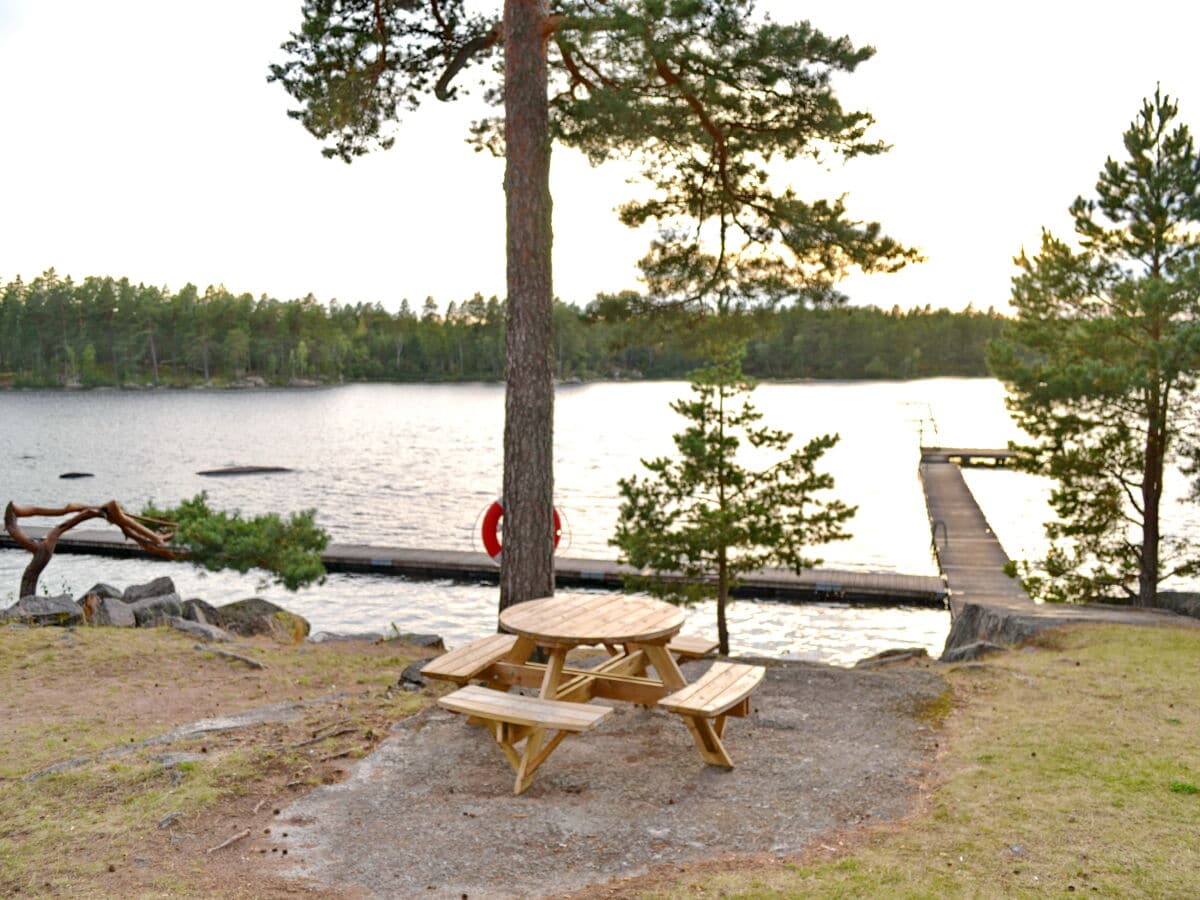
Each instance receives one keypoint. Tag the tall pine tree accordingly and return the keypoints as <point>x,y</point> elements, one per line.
<point>703,93</point>
<point>1101,365</point>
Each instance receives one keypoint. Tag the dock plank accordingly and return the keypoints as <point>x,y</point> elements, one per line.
<point>969,554</point>
<point>880,588</point>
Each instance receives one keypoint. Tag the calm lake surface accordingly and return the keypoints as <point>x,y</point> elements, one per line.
<point>416,465</point>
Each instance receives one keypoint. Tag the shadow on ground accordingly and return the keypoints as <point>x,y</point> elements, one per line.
<point>431,812</point>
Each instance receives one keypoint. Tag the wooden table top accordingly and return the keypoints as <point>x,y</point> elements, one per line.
<point>593,619</point>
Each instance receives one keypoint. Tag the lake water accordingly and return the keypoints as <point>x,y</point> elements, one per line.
<point>416,465</point>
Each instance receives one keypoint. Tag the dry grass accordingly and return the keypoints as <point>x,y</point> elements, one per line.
<point>131,825</point>
<point>1072,766</point>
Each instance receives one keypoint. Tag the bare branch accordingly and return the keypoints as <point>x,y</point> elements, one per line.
<point>477,44</point>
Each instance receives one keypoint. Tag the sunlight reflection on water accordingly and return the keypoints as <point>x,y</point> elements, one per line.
<point>414,465</point>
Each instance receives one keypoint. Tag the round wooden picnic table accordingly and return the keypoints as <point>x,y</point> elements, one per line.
<point>593,619</point>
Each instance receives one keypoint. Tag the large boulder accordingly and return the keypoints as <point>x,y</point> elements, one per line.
<point>60,610</point>
<point>257,616</point>
<point>100,589</point>
<point>197,610</point>
<point>1182,602</point>
<point>101,610</point>
<point>157,588</point>
<point>154,611</point>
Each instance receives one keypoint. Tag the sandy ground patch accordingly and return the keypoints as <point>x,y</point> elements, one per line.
<point>430,813</point>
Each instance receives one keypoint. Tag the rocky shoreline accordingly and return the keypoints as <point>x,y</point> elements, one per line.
<point>158,603</point>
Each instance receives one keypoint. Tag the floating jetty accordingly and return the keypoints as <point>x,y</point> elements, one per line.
<point>865,588</point>
<point>968,552</point>
<point>985,603</point>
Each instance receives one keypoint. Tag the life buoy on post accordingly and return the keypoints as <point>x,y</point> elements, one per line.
<point>489,531</point>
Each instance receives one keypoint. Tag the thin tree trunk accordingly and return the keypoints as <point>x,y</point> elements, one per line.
<point>722,602</point>
<point>527,567</point>
<point>1152,478</point>
<point>722,551</point>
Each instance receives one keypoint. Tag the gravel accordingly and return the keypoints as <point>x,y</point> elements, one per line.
<point>431,812</point>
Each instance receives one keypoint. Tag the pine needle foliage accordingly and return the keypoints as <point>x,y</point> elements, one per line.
<point>288,548</point>
<point>710,517</point>
<point>705,96</point>
<point>1101,364</point>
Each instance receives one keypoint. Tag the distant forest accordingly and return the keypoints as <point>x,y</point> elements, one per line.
<point>106,331</point>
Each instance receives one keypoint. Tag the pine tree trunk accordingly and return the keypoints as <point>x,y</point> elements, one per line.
<point>722,602</point>
<point>527,567</point>
<point>1152,478</point>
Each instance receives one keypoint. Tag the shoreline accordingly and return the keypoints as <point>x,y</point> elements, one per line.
<point>313,384</point>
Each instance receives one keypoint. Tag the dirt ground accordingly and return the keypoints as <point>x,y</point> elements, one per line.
<point>431,813</point>
<point>127,755</point>
<point>133,763</point>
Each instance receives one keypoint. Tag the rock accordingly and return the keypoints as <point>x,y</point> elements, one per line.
<point>257,616</point>
<point>104,590</point>
<point>1184,603</point>
<point>156,588</point>
<point>325,637</point>
<point>60,610</point>
<point>244,470</point>
<point>1013,625</point>
<point>154,611</point>
<point>432,641</point>
<point>200,630</point>
<point>173,759</point>
<point>101,610</point>
<point>894,657</point>
<point>412,673</point>
<point>197,610</point>
<point>971,651</point>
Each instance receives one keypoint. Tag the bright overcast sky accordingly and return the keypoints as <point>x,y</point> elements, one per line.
<point>141,138</point>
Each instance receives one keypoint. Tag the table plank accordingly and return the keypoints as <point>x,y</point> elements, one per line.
<point>593,620</point>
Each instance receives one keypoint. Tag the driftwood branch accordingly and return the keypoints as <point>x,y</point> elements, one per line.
<point>152,535</point>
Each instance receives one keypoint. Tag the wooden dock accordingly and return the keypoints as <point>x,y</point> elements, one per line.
<point>967,456</point>
<point>968,552</point>
<point>866,588</point>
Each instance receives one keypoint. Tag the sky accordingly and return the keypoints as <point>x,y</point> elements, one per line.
<point>141,139</point>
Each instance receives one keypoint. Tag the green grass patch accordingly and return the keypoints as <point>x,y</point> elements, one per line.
<point>1072,768</point>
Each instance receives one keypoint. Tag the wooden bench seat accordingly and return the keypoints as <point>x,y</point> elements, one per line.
<point>464,663</point>
<point>513,718</point>
<point>518,709</point>
<point>691,646</point>
<point>720,691</point>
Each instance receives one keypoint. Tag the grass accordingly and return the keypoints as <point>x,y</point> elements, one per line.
<point>94,830</point>
<point>1070,767</point>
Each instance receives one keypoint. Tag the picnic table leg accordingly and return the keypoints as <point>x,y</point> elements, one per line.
<point>534,754</point>
<point>520,652</point>
<point>708,739</point>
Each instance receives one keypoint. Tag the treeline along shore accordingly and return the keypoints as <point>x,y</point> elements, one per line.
<point>55,332</point>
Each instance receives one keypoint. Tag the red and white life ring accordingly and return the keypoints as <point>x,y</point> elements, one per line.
<point>490,528</point>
